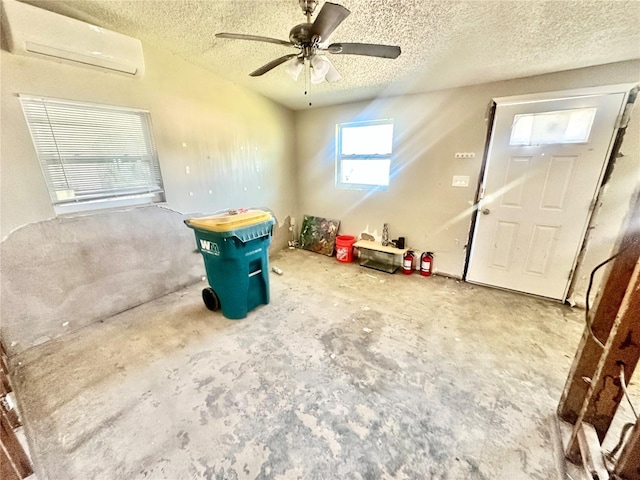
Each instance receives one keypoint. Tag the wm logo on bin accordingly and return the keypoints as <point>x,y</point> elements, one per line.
<point>209,247</point>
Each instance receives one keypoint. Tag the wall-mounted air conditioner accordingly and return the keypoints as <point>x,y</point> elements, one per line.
<point>36,32</point>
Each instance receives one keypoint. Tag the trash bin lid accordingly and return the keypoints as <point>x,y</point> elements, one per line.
<point>230,221</point>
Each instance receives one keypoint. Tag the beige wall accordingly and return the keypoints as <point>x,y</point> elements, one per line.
<point>238,145</point>
<point>430,128</point>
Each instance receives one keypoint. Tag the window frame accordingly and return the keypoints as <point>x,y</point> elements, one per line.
<point>340,157</point>
<point>120,170</point>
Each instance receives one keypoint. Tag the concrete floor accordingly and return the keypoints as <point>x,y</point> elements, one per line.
<point>348,373</point>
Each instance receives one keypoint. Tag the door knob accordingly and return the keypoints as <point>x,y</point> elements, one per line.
<point>486,211</point>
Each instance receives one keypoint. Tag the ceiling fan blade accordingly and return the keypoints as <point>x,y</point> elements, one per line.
<point>368,49</point>
<point>331,15</point>
<point>255,38</point>
<point>272,64</point>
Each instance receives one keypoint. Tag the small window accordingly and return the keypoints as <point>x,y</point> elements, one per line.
<point>566,126</point>
<point>363,157</point>
<point>94,156</point>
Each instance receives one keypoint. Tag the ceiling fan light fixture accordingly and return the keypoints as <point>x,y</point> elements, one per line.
<point>294,68</point>
<point>332,75</point>
<point>320,66</point>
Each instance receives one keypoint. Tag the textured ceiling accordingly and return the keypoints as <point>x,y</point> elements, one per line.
<point>444,43</point>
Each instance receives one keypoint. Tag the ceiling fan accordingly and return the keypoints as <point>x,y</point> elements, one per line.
<point>309,38</point>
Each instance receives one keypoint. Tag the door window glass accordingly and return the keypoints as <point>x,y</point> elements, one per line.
<point>565,126</point>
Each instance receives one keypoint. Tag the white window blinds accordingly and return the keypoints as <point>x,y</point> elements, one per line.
<point>91,153</point>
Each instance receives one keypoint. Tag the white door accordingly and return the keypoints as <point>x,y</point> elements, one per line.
<point>545,163</point>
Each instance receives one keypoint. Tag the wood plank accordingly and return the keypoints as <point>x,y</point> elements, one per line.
<point>10,415</point>
<point>13,451</point>
<point>616,277</point>
<point>4,359</point>
<point>7,470</point>
<point>628,464</point>
<point>622,348</point>
<point>369,245</point>
<point>5,386</point>
<point>591,452</point>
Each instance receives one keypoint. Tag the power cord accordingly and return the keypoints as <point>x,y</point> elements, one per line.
<point>626,393</point>
<point>625,429</point>
<point>627,426</point>
<point>587,306</point>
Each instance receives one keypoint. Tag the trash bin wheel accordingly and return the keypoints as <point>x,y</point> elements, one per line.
<point>210,299</point>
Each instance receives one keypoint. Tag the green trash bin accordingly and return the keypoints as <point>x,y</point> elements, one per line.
<point>235,251</point>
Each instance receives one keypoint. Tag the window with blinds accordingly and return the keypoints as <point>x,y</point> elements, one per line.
<point>94,156</point>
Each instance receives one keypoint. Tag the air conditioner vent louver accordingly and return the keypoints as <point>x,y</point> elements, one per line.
<point>39,33</point>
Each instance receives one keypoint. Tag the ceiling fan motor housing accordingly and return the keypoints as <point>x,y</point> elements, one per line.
<point>301,35</point>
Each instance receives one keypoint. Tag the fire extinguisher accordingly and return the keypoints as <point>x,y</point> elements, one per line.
<point>426,264</point>
<point>407,263</point>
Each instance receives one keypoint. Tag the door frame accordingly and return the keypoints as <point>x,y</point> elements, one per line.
<point>625,88</point>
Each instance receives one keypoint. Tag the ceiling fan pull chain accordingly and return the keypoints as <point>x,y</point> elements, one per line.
<point>307,75</point>
<point>307,79</point>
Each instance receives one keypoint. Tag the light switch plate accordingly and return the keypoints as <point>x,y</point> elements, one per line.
<point>460,181</point>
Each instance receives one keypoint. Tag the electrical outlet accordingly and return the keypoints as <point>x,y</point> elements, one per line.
<point>187,170</point>
<point>465,155</point>
<point>460,181</point>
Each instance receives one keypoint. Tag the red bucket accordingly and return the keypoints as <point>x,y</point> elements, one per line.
<point>344,248</point>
